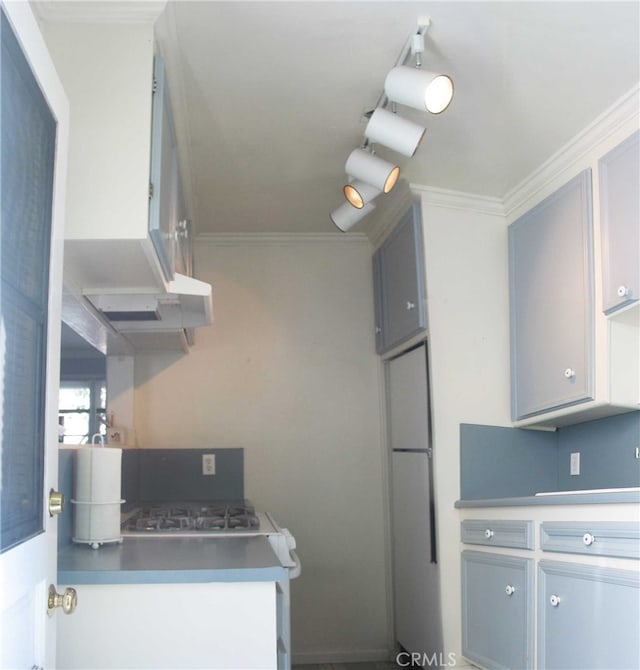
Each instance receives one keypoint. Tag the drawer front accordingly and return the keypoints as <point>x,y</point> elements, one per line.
<point>498,533</point>
<point>619,539</point>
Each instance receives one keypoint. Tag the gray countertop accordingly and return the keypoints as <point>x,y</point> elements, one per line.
<point>171,560</point>
<point>557,498</point>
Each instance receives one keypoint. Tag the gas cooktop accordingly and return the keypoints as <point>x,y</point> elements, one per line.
<point>191,518</point>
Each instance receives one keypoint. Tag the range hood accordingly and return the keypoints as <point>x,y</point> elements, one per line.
<point>186,304</point>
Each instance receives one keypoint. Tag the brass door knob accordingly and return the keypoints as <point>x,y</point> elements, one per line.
<point>56,502</point>
<point>68,600</point>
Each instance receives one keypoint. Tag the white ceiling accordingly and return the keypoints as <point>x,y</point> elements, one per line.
<point>268,97</point>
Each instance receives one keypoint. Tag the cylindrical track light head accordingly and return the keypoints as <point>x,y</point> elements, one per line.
<point>359,193</point>
<point>393,131</point>
<point>372,170</point>
<point>419,88</point>
<point>347,216</point>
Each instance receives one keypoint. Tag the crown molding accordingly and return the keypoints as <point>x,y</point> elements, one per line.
<point>441,197</point>
<point>279,239</point>
<point>99,11</point>
<point>623,112</point>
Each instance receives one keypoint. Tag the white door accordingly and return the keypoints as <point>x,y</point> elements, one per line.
<point>29,334</point>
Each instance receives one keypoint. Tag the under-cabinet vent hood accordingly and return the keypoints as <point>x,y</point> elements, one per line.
<point>186,304</point>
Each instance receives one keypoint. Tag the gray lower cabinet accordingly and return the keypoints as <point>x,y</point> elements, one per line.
<point>399,283</point>
<point>497,610</point>
<point>551,302</point>
<point>620,223</point>
<point>588,617</point>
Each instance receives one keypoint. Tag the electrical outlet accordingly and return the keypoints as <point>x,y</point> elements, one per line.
<point>208,464</point>
<point>574,468</point>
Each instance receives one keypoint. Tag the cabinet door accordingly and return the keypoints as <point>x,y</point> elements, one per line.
<point>620,223</point>
<point>551,302</point>
<point>402,282</point>
<point>588,617</point>
<point>163,189</point>
<point>377,299</point>
<point>497,610</point>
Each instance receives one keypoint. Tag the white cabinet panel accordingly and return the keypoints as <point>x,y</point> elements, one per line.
<point>213,625</point>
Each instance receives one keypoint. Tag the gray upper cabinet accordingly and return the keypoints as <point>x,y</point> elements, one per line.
<point>551,302</point>
<point>164,181</point>
<point>620,220</point>
<point>399,283</point>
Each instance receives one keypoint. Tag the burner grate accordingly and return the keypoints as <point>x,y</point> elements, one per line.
<point>193,518</point>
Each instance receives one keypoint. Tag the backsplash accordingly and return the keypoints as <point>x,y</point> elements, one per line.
<point>607,453</point>
<point>501,462</point>
<point>174,475</point>
<point>154,475</point>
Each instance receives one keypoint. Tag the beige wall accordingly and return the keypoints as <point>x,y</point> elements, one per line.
<point>289,372</point>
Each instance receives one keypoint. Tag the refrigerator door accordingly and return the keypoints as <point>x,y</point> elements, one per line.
<point>407,401</point>
<point>418,624</point>
<point>415,578</point>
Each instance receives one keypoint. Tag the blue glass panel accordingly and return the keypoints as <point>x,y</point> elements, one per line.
<point>27,143</point>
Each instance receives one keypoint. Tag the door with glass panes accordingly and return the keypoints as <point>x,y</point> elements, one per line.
<point>34,135</point>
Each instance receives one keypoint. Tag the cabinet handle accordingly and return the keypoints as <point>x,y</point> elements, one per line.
<point>569,373</point>
<point>410,305</point>
<point>488,533</point>
<point>588,539</point>
<point>623,291</point>
<point>554,600</point>
<point>510,590</point>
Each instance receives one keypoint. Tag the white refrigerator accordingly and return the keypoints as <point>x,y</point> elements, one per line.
<point>416,584</point>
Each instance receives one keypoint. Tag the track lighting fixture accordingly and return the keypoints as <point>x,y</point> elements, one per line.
<point>371,169</point>
<point>359,193</point>
<point>393,131</point>
<point>370,175</point>
<point>347,216</point>
<point>419,89</point>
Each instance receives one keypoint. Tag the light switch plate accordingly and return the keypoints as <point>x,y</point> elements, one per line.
<point>574,468</point>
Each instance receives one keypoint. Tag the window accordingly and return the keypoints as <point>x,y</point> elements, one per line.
<point>27,142</point>
<point>82,411</point>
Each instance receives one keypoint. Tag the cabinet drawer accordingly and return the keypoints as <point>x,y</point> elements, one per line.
<point>620,539</point>
<point>517,534</point>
